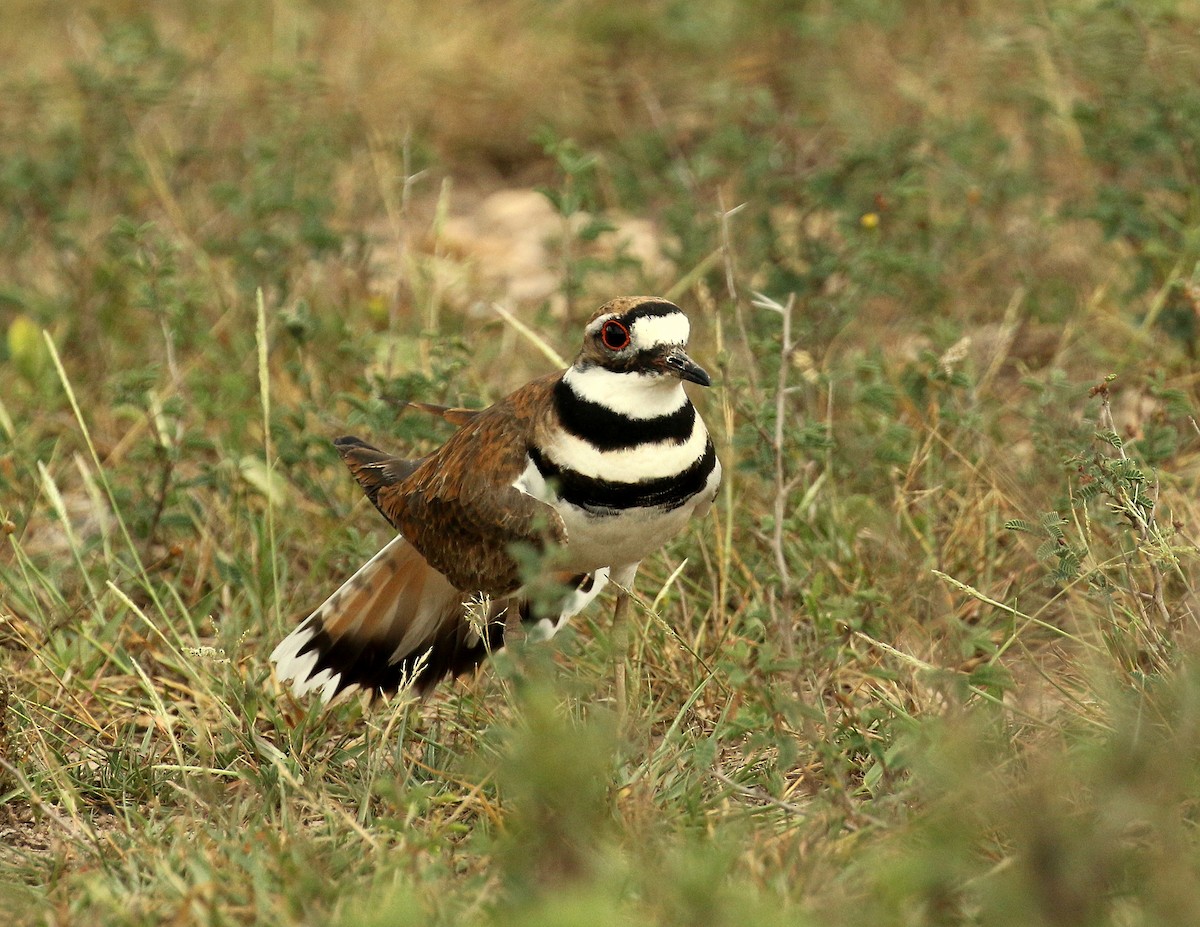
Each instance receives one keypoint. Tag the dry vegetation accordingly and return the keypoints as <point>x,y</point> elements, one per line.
<point>931,659</point>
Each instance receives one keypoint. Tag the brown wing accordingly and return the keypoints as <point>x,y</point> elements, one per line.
<point>459,507</point>
<point>395,622</point>
<point>373,469</point>
<point>452,414</point>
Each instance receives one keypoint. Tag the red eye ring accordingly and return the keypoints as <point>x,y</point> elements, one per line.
<point>614,335</point>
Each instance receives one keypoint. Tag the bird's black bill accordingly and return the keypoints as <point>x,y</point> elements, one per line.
<point>677,362</point>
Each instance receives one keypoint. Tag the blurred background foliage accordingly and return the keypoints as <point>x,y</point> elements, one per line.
<point>929,662</point>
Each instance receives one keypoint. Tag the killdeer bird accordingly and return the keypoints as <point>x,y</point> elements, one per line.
<point>601,463</point>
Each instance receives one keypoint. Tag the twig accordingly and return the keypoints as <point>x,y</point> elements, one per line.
<point>530,335</point>
<point>1145,523</point>
<point>758,794</point>
<point>783,485</point>
<point>751,369</point>
<point>68,827</point>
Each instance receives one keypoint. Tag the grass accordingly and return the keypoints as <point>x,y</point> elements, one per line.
<point>929,661</point>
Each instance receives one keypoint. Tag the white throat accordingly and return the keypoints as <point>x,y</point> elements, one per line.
<point>634,395</point>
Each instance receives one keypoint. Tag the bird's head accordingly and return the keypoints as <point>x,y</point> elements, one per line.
<point>643,335</point>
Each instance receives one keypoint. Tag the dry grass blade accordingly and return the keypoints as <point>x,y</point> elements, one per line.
<point>940,624</point>
<point>530,335</point>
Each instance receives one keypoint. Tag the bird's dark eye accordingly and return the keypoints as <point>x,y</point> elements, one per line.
<point>614,335</point>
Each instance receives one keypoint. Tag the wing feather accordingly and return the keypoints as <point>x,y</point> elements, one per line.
<point>401,618</point>
<point>380,630</point>
<point>459,506</point>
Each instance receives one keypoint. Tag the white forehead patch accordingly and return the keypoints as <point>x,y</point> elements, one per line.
<point>652,330</point>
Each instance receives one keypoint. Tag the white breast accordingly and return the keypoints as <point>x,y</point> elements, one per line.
<point>628,465</point>
<point>622,538</point>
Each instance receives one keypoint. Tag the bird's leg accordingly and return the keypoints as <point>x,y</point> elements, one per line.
<point>620,639</point>
<point>513,629</point>
<point>622,578</point>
